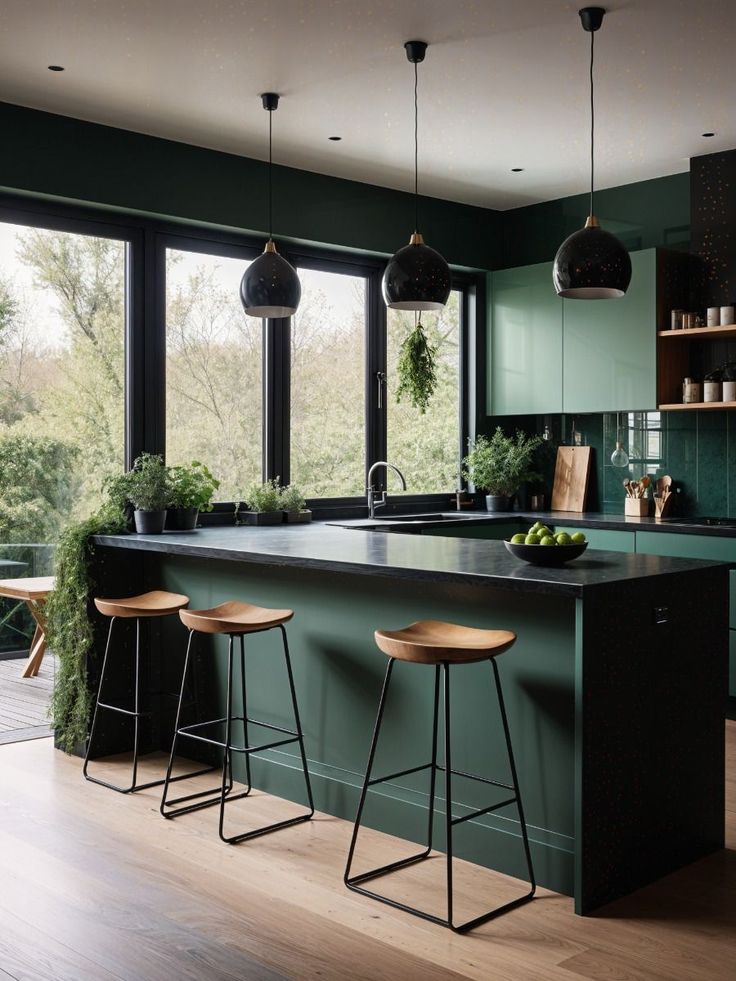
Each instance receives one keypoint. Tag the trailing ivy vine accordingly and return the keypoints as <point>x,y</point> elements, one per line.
<point>69,628</point>
<point>417,369</point>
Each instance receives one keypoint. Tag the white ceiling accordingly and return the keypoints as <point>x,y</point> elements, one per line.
<point>504,84</point>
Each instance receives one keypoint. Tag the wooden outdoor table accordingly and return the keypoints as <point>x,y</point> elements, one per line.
<point>33,592</point>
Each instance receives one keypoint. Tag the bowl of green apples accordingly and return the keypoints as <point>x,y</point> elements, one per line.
<point>542,546</point>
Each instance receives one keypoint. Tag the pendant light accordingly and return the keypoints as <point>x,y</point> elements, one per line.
<point>270,286</point>
<point>416,277</point>
<point>619,457</point>
<point>592,264</point>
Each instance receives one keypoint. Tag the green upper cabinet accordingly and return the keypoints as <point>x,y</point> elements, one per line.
<point>610,346</point>
<point>526,342</point>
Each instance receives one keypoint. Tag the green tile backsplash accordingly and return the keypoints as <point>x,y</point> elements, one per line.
<point>697,449</point>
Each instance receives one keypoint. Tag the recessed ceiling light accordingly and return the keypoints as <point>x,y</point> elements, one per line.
<point>56,68</point>
<point>335,139</point>
<point>516,170</point>
<point>707,134</point>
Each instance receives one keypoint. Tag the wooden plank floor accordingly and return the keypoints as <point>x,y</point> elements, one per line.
<point>24,702</point>
<point>97,886</point>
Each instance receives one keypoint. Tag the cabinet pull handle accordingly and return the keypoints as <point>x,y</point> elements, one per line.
<point>380,381</point>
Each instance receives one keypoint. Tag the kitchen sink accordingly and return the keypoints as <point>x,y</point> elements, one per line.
<point>426,517</point>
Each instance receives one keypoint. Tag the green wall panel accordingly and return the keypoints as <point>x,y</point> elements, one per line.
<point>84,162</point>
<point>339,671</point>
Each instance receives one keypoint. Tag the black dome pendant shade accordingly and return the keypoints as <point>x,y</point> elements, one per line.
<point>270,287</point>
<point>416,277</point>
<point>591,264</point>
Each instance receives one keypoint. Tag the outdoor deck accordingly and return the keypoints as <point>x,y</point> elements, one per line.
<point>24,702</point>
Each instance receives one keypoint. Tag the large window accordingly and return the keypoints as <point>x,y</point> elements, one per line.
<point>426,447</point>
<point>328,354</point>
<point>62,376</point>
<point>214,364</point>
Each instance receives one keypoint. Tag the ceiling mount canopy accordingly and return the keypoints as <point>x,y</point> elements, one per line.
<point>592,264</point>
<point>416,277</point>
<point>270,287</point>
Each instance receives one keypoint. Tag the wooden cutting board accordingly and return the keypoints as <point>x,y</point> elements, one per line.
<point>572,471</point>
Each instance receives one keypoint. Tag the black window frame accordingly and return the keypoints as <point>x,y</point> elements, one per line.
<point>147,239</point>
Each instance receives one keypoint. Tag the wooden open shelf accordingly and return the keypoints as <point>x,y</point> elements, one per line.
<point>700,332</point>
<point>674,406</point>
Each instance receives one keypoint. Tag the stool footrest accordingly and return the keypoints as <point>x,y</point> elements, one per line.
<point>400,773</point>
<point>187,732</point>
<point>484,810</point>
<point>122,711</point>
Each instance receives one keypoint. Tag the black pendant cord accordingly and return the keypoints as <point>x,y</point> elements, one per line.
<point>416,147</point>
<point>270,175</point>
<point>592,124</point>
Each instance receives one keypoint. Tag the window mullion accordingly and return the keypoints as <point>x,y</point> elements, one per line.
<point>375,406</point>
<point>276,398</point>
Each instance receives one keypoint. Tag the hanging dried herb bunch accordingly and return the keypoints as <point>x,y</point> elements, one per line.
<point>417,369</point>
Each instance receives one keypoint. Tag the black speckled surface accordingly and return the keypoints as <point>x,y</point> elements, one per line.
<point>415,557</point>
<point>589,519</point>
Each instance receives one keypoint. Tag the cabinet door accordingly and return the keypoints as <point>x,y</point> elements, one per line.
<point>604,538</point>
<point>610,346</point>
<point>526,342</point>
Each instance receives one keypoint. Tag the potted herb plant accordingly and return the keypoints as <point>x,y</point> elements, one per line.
<point>264,503</point>
<point>148,489</point>
<point>500,465</point>
<point>192,490</point>
<point>294,506</point>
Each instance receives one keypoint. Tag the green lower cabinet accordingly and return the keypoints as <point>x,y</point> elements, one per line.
<point>732,662</point>
<point>489,532</point>
<point>602,538</point>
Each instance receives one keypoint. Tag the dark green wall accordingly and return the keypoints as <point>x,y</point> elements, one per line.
<point>79,161</point>
<point>643,215</point>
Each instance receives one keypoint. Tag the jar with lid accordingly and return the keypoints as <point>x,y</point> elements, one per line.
<point>728,374</point>
<point>712,386</point>
<point>690,391</point>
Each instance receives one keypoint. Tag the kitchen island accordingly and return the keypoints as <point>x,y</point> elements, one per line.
<point>615,688</point>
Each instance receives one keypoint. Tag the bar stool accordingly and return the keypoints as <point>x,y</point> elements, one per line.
<point>442,645</point>
<point>235,619</point>
<point>154,604</point>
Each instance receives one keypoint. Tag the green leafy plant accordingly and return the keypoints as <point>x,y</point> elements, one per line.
<point>417,369</point>
<point>501,464</point>
<point>69,629</point>
<point>264,497</point>
<point>192,486</point>
<point>292,499</point>
<point>147,485</point>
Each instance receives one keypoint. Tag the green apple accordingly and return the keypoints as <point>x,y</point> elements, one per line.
<point>563,538</point>
<point>531,539</point>
<point>578,538</point>
<point>543,530</point>
<point>518,539</point>
<point>548,540</point>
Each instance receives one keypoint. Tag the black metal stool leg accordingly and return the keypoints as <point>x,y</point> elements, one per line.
<point>168,779</point>
<point>433,771</point>
<point>448,792</point>
<point>245,711</point>
<point>297,722</point>
<point>93,728</point>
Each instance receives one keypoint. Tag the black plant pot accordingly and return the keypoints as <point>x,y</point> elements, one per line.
<point>181,519</point>
<point>263,517</point>
<point>497,502</point>
<point>149,522</point>
<point>297,517</point>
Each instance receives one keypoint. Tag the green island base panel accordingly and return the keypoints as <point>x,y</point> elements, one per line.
<point>616,719</point>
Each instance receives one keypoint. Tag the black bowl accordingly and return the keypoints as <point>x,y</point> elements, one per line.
<point>549,555</point>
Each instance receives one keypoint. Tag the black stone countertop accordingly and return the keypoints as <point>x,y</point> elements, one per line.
<point>562,519</point>
<point>414,557</point>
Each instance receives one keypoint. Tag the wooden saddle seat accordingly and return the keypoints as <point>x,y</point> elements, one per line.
<point>157,603</point>
<point>435,641</point>
<point>234,617</point>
